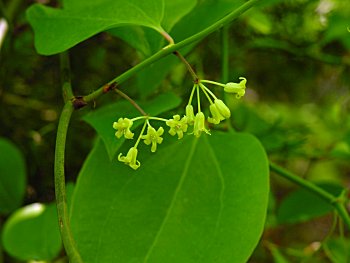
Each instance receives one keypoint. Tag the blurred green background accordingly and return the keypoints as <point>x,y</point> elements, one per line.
<point>296,57</point>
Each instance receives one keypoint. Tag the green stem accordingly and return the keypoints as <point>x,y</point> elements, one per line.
<point>60,187</point>
<point>192,92</point>
<point>65,76</point>
<point>212,82</point>
<point>206,93</point>
<point>141,133</point>
<point>198,99</point>
<point>225,47</point>
<point>225,53</point>
<point>157,119</point>
<point>335,201</point>
<point>208,90</point>
<point>171,48</point>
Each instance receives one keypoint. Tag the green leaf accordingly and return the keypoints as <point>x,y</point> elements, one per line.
<point>174,10</point>
<point>102,119</point>
<point>196,200</point>
<point>148,41</point>
<point>57,30</point>
<point>12,177</point>
<point>301,205</point>
<point>31,233</point>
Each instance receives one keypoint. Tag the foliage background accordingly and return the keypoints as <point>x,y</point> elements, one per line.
<point>295,55</point>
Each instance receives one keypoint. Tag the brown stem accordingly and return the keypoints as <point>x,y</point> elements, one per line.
<point>131,101</point>
<point>188,66</point>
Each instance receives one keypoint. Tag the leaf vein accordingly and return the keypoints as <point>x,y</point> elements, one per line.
<point>173,200</point>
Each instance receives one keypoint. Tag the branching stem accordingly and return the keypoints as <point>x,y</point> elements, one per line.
<point>337,202</point>
<point>171,48</point>
<point>60,187</point>
<point>65,77</point>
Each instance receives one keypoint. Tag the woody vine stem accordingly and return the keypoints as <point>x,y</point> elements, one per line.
<point>72,102</point>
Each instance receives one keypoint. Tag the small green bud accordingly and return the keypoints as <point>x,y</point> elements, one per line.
<point>153,137</point>
<point>123,128</point>
<point>222,108</point>
<point>190,114</point>
<point>199,125</point>
<point>130,158</point>
<point>217,117</point>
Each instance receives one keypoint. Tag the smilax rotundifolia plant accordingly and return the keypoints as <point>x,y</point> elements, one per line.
<point>179,125</point>
<point>195,121</point>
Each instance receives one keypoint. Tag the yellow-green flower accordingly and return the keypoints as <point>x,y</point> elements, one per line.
<point>153,137</point>
<point>238,88</point>
<point>217,117</point>
<point>199,125</point>
<point>123,128</point>
<point>177,125</point>
<point>130,158</point>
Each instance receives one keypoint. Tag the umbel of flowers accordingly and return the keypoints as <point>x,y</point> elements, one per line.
<point>179,125</point>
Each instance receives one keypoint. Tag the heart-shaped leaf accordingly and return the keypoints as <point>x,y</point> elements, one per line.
<point>57,30</point>
<point>196,200</point>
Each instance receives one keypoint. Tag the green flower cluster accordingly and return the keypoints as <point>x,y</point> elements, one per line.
<point>178,125</point>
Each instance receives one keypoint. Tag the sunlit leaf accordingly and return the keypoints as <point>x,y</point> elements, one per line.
<point>31,233</point>
<point>197,200</point>
<point>59,29</point>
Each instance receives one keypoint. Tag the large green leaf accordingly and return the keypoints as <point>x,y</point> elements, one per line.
<point>59,29</point>
<point>12,177</point>
<point>196,200</point>
<point>102,119</point>
<point>31,233</point>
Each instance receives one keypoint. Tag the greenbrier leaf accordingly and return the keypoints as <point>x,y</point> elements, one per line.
<point>12,177</point>
<point>102,119</point>
<point>196,200</point>
<point>174,10</point>
<point>301,205</point>
<point>31,233</point>
<point>57,30</point>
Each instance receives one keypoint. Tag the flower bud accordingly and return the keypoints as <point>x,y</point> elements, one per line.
<point>222,108</point>
<point>190,114</point>
<point>217,117</point>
